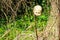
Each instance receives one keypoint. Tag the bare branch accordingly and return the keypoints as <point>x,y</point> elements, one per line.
<point>4,14</point>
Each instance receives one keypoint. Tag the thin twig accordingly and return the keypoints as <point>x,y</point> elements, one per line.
<point>17,37</point>
<point>4,14</point>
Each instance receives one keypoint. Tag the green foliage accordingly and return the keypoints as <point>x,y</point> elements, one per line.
<point>24,19</point>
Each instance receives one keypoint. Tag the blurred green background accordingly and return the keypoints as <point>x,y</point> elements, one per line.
<point>23,20</point>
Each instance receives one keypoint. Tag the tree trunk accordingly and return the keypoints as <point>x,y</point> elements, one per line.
<point>59,17</point>
<point>52,29</point>
<point>51,32</point>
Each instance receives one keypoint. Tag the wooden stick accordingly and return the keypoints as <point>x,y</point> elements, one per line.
<point>36,27</point>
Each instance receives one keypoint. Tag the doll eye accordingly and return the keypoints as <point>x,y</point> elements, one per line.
<point>36,12</point>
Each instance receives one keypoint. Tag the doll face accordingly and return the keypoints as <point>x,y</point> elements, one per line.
<point>37,10</point>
